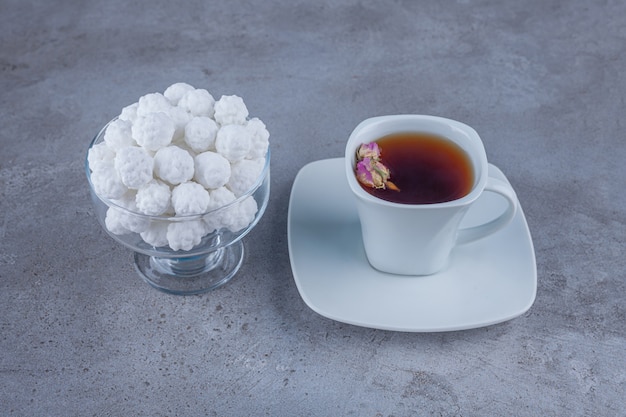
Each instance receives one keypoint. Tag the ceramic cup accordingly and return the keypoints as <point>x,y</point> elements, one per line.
<point>417,239</point>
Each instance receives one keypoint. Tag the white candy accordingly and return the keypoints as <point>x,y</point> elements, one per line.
<point>153,131</point>
<point>200,133</point>
<point>220,197</point>
<point>185,235</point>
<point>176,91</point>
<point>212,170</point>
<point>260,138</point>
<point>127,200</point>
<point>230,110</point>
<point>219,218</point>
<point>129,113</point>
<point>107,183</point>
<point>233,142</point>
<point>180,117</point>
<point>244,174</point>
<point>198,102</point>
<point>173,165</point>
<point>118,134</point>
<point>98,155</point>
<point>243,214</point>
<point>190,198</point>
<point>121,222</point>
<point>156,234</point>
<point>134,166</point>
<point>152,103</point>
<point>113,222</point>
<point>154,198</point>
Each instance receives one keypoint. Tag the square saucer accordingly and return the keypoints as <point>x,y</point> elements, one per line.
<point>486,282</point>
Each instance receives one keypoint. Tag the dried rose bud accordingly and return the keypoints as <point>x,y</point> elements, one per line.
<point>368,150</point>
<point>380,174</point>
<point>370,171</point>
<point>364,174</point>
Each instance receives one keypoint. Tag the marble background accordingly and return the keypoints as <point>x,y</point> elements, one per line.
<point>543,82</point>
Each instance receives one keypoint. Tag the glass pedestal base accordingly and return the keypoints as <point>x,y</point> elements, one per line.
<point>191,275</point>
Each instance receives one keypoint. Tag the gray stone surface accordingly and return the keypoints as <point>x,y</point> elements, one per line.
<point>543,82</point>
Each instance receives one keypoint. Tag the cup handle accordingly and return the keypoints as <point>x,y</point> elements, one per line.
<point>494,185</point>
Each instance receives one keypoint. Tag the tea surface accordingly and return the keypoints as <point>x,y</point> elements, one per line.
<point>426,168</point>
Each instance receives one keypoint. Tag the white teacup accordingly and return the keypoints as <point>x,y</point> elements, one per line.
<point>417,239</point>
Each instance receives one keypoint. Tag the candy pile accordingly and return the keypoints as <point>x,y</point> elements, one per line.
<point>175,154</point>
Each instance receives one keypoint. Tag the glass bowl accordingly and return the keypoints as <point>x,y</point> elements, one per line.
<point>218,249</point>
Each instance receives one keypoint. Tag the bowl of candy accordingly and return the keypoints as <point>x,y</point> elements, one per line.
<point>180,178</point>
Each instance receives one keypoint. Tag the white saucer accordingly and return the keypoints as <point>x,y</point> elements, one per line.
<point>486,282</point>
